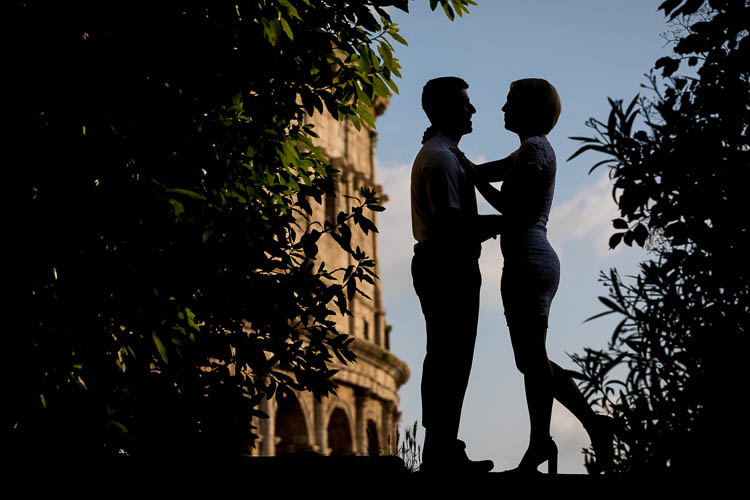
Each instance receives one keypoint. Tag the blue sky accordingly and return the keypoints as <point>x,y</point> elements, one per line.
<point>589,50</point>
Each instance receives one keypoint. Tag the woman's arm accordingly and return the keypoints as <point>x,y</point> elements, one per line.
<point>489,192</point>
<point>497,170</point>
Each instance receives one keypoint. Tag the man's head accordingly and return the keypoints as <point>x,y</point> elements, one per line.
<point>447,105</point>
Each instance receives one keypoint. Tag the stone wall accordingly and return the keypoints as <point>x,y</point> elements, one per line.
<point>363,416</point>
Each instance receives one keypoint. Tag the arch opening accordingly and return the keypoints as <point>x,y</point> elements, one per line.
<point>339,434</point>
<point>373,442</point>
<point>291,428</point>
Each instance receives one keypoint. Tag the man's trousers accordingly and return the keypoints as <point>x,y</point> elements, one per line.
<point>447,284</point>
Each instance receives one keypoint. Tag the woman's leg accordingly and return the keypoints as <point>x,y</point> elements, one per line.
<point>599,427</point>
<point>544,380</point>
<point>528,337</point>
<point>569,395</point>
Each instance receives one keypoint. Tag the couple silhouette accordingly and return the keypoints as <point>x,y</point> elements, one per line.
<point>445,270</point>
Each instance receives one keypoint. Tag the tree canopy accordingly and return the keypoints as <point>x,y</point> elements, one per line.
<point>678,181</point>
<point>170,163</point>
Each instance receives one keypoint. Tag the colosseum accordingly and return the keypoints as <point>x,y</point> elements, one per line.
<point>362,418</point>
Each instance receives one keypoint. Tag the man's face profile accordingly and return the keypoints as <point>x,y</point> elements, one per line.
<point>463,112</point>
<point>458,112</point>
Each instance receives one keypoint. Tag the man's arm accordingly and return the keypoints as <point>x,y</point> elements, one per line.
<point>489,226</point>
<point>490,193</point>
<point>454,228</point>
<point>452,225</point>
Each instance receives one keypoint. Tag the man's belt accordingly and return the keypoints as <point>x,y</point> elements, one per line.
<point>429,246</point>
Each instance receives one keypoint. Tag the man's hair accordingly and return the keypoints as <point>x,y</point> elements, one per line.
<point>435,92</point>
<point>542,99</point>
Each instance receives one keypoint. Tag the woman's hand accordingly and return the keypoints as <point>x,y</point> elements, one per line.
<point>467,165</point>
<point>479,178</point>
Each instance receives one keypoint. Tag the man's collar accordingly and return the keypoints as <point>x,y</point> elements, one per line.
<point>448,140</point>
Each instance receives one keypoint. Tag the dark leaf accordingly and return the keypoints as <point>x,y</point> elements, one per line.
<point>669,5</point>
<point>669,65</point>
<point>599,315</point>
<point>619,224</point>
<point>614,307</point>
<point>367,225</point>
<point>309,243</point>
<point>689,7</point>
<point>589,147</point>
<point>640,233</point>
<point>615,239</point>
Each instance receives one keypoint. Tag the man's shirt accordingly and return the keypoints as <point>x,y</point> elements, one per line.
<point>438,183</point>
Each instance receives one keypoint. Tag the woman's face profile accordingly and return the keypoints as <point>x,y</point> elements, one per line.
<point>517,112</point>
<point>512,110</point>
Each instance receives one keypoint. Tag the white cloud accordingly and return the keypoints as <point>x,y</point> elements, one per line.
<point>396,243</point>
<point>570,438</point>
<point>587,216</point>
<point>491,264</point>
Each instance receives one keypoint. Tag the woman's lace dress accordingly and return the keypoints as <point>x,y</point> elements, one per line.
<point>531,268</point>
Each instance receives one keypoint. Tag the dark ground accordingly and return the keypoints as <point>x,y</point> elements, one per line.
<point>328,477</point>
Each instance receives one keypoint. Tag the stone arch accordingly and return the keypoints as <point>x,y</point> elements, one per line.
<point>340,440</point>
<point>291,427</point>
<point>373,438</point>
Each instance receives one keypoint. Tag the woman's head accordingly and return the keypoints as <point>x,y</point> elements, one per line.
<point>532,108</point>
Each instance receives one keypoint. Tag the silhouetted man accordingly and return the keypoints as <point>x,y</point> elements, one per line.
<point>445,270</point>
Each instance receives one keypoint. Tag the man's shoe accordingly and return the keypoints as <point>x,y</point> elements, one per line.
<point>455,460</point>
<point>472,465</point>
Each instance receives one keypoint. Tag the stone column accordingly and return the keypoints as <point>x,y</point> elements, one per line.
<point>360,438</point>
<point>321,429</point>
<point>346,177</point>
<point>388,431</point>
<point>267,429</point>
<point>373,141</point>
<point>379,337</point>
<point>256,423</point>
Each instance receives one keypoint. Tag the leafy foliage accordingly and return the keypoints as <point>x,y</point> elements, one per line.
<point>661,341</point>
<point>408,448</point>
<point>679,185</point>
<point>173,276</point>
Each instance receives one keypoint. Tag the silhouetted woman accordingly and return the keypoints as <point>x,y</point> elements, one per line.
<point>531,269</point>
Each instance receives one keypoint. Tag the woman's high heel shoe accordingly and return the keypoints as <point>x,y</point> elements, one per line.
<point>602,434</point>
<point>536,454</point>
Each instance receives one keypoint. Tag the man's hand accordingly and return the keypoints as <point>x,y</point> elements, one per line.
<point>489,226</point>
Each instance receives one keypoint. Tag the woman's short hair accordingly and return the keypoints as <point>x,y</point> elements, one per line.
<point>437,91</point>
<point>543,99</point>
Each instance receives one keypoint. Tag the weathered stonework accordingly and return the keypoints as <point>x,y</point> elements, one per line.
<point>364,414</point>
